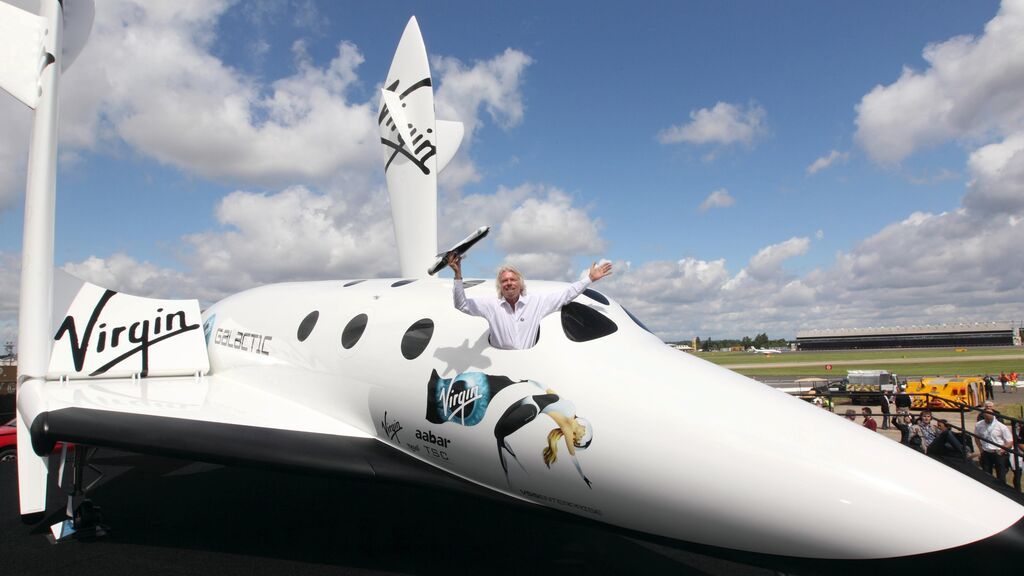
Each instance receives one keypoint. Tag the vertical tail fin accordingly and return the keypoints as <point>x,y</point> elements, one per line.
<point>411,139</point>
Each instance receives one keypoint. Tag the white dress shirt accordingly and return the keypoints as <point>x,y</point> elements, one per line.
<point>515,329</point>
<point>996,432</point>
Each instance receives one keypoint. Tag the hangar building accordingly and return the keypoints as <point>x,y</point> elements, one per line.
<point>938,335</point>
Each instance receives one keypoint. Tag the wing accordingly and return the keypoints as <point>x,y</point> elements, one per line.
<point>215,419</point>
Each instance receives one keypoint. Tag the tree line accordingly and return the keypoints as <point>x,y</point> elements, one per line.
<point>760,341</point>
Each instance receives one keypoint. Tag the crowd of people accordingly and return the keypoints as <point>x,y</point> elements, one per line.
<point>1006,381</point>
<point>990,445</point>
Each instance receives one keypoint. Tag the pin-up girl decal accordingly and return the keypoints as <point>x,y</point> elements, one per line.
<point>577,432</point>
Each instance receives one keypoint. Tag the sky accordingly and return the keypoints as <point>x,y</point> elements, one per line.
<point>747,167</point>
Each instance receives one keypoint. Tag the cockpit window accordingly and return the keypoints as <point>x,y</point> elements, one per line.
<point>470,283</point>
<point>352,283</point>
<point>353,331</point>
<point>596,296</point>
<point>416,338</point>
<point>637,320</point>
<point>403,282</point>
<point>582,323</point>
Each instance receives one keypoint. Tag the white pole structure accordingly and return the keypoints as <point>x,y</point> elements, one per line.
<point>34,338</point>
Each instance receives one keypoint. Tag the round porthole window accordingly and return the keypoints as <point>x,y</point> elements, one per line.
<point>416,338</point>
<point>307,325</point>
<point>353,331</point>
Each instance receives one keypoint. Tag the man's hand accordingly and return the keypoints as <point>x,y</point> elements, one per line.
<point>598,272</point>
<point>455,263</point>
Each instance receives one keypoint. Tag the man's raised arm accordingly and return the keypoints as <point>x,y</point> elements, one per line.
<point>462,304</point>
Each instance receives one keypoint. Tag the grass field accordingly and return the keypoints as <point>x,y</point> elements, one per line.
<point>1010,409</point>
<point>953,363</point>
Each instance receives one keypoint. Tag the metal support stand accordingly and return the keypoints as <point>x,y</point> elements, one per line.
<point>83,521</point>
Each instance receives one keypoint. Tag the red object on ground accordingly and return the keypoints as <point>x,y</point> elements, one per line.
<point>9,442</point>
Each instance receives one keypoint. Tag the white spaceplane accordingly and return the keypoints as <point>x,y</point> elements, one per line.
<point>384,378</point>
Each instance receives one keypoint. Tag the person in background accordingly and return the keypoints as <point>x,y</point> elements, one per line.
<point>850,415</point>
<point>994,439</point>
<point>886,405</point>
<point>902,399</point>
<point>869,422</point>
<point>1003,379</point>
<point>988,405</point>
<point>1018,459</point>
<point>902,422</point>
<point>988,385</point>
<point>945,443</point>
<point>925,429</point>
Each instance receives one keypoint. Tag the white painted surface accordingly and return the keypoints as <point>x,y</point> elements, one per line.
<point>411,161</point>
<point>21,53</point>
<point>37,263</point>
<point>101,333</point>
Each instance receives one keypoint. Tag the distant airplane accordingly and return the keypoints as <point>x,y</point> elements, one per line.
<point>765,351</point>
<point>386,380</point>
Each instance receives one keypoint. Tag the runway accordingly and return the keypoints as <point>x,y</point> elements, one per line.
<point>172,517</point>
<point>767,362</point>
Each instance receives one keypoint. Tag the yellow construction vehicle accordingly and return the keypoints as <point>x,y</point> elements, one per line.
<point>946,393</point>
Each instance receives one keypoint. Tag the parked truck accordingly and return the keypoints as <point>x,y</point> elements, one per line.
<point>867,386</point>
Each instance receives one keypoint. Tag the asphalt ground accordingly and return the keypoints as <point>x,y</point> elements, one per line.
<point>171,517</point>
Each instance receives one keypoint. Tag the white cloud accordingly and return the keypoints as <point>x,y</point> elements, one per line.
<point>16,119</point>
<point>929,178</point>
<point>723,124</point>
<point>997,185</point>
<point>123,273</point>
<point>971,90</point>
<point>10,274</point>
<point>147,79</point>
<point>10,277</point>
<point>537,227</point>
<point>550,223</point>
<point>768,260</point>
<point>495,85</point>
<point>826,161</point>
<point>293,234</point>
<point>685,281</point>
<point>718,199</point>
<point>542,265</point>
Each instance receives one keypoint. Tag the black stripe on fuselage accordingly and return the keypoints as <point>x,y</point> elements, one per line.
<point>238,445</point>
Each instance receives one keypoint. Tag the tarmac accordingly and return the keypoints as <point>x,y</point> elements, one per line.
<point>171,517</point>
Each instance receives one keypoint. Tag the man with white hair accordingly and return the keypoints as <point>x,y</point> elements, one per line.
<point>513,316</point>
<point>994,439</point>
